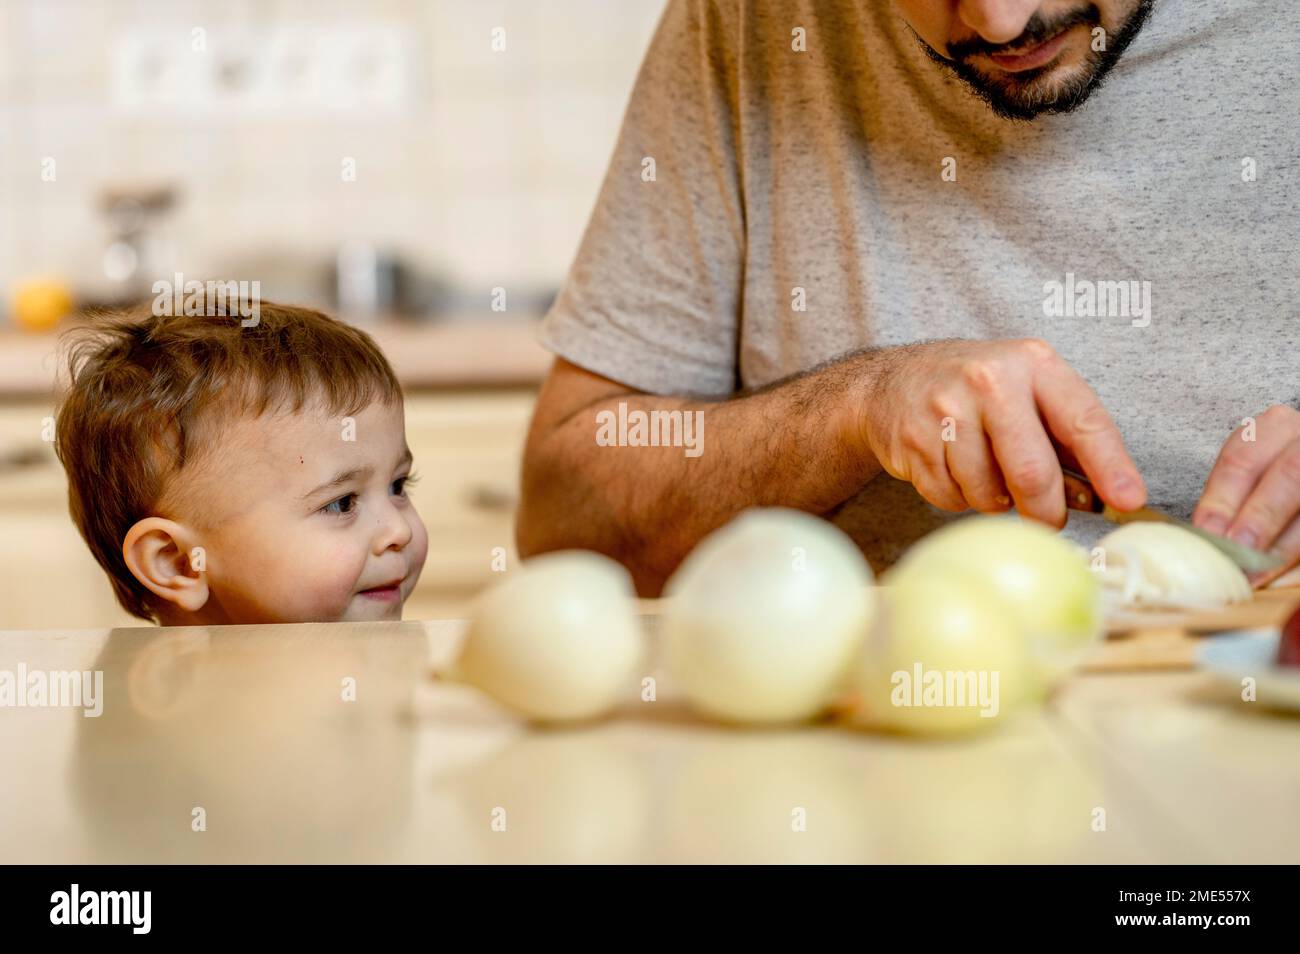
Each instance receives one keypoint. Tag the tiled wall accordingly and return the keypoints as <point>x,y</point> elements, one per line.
<point>486,171</point>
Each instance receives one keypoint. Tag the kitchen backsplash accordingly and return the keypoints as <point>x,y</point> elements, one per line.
<point>289,128</point>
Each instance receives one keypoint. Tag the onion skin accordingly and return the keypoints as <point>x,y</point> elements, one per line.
<point>558,640</point>
<point>765,618</point>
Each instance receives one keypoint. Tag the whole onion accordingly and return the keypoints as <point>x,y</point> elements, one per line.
<point>1044,580</point>
<point>765,617</point>
<point>558,639</point>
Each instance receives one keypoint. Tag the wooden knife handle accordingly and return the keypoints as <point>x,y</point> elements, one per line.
<point>1079,493</point>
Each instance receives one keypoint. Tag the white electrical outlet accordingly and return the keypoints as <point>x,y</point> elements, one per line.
<point>361,69</point>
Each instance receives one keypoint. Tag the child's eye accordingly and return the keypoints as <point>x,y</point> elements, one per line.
<point>401,483</point>
<point>342,506</point>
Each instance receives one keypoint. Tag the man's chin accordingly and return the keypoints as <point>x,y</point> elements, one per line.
<point>1055,88</point>
<point>1032,93</point>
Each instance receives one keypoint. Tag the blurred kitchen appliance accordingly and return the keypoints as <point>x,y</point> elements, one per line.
<point>365,281</point>
<point>139,249</point>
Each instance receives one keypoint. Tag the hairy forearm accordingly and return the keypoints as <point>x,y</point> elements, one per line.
<point>794,444</point>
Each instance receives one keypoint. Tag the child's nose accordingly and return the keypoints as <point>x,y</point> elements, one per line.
<point>393,531</point>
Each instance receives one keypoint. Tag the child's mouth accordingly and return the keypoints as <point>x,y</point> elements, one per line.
<point>392,591</point>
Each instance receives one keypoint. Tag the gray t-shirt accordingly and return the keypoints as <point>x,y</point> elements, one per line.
<point>825,170</point>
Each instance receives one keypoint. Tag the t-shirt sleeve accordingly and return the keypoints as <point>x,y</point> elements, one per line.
<point>652,299</point>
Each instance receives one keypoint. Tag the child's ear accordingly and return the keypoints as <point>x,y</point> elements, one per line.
<point>156,552</point>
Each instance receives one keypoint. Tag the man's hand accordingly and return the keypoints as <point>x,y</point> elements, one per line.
<point>971,424</point>
<point>1253,492</point>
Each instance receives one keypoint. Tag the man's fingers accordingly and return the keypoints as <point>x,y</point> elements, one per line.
<point>1272,504</point>
<point>932,481</point>
<point>1287,546</point>
<point>1237,470</point>
<point>971,463</point>
<point>1026,459</point>
<point>1078,420</point>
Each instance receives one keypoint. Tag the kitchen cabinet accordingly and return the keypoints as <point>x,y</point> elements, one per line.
<point>468,450</point>
<point>467,446</point>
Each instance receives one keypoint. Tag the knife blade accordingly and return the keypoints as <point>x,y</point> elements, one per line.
<point>1081,495</point>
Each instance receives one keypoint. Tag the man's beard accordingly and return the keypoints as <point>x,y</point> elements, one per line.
<point>1018,96</point>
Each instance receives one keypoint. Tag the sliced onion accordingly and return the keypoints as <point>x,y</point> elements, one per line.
<point>1161,565</point>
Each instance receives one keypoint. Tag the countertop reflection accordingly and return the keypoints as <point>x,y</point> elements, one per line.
<point>332,743</point>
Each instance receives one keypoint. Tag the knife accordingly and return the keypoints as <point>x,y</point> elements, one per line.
<point>1081,495</point>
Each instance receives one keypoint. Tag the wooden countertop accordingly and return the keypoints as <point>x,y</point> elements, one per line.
<point>251,729</point>
<point>469,352</point>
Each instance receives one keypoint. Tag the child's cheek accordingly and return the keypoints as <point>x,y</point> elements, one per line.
<point>419,547</point>
<point>325,578</point>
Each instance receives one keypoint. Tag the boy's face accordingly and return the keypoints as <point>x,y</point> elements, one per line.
<point>308,519</point>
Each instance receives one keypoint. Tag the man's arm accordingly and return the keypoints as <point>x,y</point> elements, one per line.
<point>970,424</point>
<point>793,445</point>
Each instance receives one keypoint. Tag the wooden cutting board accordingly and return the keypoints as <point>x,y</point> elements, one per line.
<point>1160,639</point>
